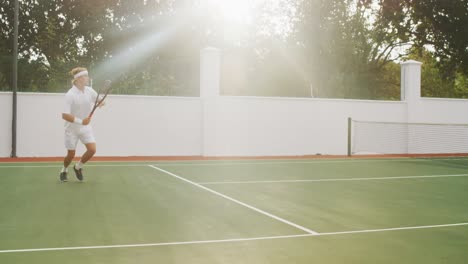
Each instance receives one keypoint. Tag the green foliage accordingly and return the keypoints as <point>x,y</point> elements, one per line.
<point>345,57</point>
<point>443,25</point>
<point>434,82</point>
<point>326,48</point>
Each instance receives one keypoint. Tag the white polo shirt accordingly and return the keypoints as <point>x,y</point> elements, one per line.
<point>79,103</point>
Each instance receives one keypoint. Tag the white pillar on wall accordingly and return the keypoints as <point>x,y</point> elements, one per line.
<point>410,81</point>
<point>411,88</point>
<point>210,69</point>
<point>411,94</point>
<point>210,78</point>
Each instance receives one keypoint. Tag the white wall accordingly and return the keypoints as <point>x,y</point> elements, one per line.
<point>5,124</point>
<point>214,126</point>
<point>126,126</point>
<point>252,126</point>
<point>439,139</point>
<point>149,126</point>
<point>441,110</point>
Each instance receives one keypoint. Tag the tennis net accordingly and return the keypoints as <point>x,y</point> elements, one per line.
<point>369,137</point>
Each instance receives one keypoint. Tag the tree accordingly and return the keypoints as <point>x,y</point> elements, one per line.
<point>337,48</point>
<point>434,83</point>
<point>438,25</point>
<point>347,55</point>
<point>442,24</point>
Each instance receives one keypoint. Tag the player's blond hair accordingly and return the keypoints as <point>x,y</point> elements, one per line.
<point>75,71</point>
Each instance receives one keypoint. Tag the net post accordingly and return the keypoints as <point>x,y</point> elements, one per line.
<point>349,136</point>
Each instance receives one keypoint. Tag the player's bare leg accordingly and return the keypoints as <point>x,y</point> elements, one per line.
<point>66,162</point>
<point>90,151</point>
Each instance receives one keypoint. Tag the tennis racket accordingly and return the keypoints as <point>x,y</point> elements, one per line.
<point>105,91</point>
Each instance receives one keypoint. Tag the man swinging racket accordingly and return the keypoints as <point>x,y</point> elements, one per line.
<point>80,103</point>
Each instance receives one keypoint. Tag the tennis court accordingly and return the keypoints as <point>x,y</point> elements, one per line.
<point>406,210</point>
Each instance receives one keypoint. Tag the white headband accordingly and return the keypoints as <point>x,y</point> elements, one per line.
<point>82,73</point>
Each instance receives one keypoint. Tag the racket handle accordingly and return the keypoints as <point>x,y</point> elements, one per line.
<point>92,112</point>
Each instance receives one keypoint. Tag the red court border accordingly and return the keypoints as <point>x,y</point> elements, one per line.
<point>203,158</point>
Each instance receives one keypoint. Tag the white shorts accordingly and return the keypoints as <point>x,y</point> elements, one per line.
<point>82,133</point>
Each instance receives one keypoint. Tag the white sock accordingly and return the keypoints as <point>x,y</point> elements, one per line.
<point>64,169</point>
<point>79,165</point>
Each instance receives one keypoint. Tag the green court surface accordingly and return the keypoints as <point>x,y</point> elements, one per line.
<point>259,211</point>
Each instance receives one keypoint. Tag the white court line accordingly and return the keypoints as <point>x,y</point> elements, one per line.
<point>301,162</point>
<point>335,180</point>
<point>60,166</point>
<point>390,229</point>
<point>230,240</point>
<point>221,163</point>
<point>237,201</point>
<point>155,244</point>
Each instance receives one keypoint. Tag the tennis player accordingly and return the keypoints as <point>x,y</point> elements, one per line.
<point>79,101</point>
